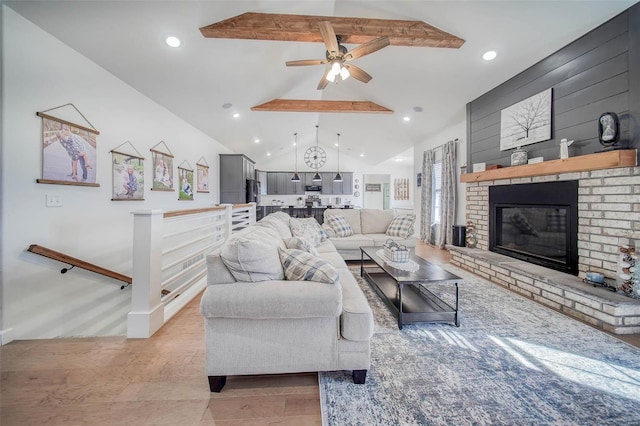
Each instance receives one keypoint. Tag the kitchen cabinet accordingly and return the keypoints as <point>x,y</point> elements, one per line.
<point>235,169</point>
<point>279,183</point>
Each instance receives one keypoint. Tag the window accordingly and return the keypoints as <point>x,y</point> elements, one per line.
<point>436,182</point>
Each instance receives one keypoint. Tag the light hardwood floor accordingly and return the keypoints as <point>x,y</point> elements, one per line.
<point>159,381</point>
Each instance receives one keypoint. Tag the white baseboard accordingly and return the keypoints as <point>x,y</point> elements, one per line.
<point>6,336</point>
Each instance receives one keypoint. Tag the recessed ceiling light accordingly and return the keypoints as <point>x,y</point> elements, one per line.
<point>257,140</point>
<point>361,155</point>
<point>489,55</point>
<point>406,118</point>
<point>173,41</point>
<point>268,154</point>
<point>417,109</point>
<point>399,159</point>
<point>236,115</point>
<point>227,105</point>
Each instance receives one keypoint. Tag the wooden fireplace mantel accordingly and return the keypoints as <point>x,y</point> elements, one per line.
<point>582,163</point>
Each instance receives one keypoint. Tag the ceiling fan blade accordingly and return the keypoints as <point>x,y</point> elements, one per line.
<point>366,48</point>
<point>329,36</point>
<point>323,81</point>
<point>358,73</point>
<point>304,62</point>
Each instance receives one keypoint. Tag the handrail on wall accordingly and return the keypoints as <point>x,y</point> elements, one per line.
<point>73,261</point>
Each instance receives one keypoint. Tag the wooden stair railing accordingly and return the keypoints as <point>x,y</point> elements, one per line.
<point>73,261</point>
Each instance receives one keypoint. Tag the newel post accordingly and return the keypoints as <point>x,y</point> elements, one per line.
<point>147,311</point>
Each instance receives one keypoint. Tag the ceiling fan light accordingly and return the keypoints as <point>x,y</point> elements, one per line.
<point>317,177</point>
<point>344,73</point>
<point>335,67</point>
<point>338,177</point>
<point>331,76</point>
<point>295,177</point>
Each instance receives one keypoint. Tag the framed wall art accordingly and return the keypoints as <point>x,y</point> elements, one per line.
<point>128,173</point>
<point>202,169</point>
<point>68,150</point>
<point>162,167</point>
<point>185,179</point>
<point>527,122</point>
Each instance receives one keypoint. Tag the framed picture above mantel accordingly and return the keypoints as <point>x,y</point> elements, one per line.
<point>526,122</point>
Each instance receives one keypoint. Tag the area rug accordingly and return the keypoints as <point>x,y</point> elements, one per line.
<point>511,362</point>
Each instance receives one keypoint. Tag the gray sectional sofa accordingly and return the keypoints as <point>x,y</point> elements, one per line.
<point>369,229</point>
<point>258,322</point>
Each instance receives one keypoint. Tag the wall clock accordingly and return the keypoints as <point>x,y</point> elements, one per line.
<point>315,157</point>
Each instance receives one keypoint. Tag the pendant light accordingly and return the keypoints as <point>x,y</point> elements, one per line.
<point>338,177</point>
<point>296,176</point>
<point>317,177</point>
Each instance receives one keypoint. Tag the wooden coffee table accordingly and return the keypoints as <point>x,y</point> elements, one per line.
<point>407,293</point>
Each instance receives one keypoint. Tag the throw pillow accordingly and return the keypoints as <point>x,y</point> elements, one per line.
<point>401,226</point>
<point>301,243</point>
<point>308,228</point>
<point>252,260</point>
<point>302,266</point>
<point>281,227</point>
<point>518,220</point>
<point>339,225</point>
<point>328,230</point>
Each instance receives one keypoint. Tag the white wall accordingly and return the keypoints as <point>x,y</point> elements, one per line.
<point>347,164</point>
<point>459,131</point>
<point>40,72</point>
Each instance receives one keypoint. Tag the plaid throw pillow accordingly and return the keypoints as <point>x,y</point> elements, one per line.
<point>339,225</point>
<point>401,226</point>
<point>302,266</point>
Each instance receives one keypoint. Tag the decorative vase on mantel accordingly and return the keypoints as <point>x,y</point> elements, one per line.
<point>519,157</point>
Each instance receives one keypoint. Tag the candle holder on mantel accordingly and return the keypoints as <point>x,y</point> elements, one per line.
<point>519,156</point>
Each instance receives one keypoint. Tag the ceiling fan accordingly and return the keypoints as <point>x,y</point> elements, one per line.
<point>338,57</point>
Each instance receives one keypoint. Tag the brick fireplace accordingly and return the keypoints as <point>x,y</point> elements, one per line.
<point>608,217</point>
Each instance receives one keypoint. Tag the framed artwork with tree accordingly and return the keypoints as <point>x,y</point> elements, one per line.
<point>527,122</point>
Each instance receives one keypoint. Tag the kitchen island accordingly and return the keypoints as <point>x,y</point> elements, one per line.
<point>296,211</point>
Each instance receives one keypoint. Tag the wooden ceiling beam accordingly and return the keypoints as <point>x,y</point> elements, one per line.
<point>271,26</point>
<point>297,105</point>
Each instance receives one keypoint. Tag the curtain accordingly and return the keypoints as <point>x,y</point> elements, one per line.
<point>426,198</point>
<point>449,187</point>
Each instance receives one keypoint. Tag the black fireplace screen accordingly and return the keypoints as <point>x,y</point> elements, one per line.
<point>536,223</point>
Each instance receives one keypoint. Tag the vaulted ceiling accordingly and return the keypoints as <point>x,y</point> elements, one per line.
<point>206,80</point>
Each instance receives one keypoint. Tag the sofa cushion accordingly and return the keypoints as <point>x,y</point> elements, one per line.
<point>401,226</point>
<point>351,215</point>
<point>352,242</point>
<point>375,221</point>
<point>278,225</point>
<point>380,239</point>
<point>326,247</point>
<point>339,225</point>
<point>308,228</point>
<point>301,243</point>
<point>252,259</point>
<point>272,300</point>
<point>299,265</point>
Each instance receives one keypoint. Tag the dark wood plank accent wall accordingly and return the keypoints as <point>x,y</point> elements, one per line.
<point>596,73</point>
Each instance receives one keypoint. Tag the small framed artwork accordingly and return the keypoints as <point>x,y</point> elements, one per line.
<point>162,168</point>
<point>68,151</point>
<point>185,178</point>
<point>202,169</point>
<point>419,180</point>
<point>128,173</point>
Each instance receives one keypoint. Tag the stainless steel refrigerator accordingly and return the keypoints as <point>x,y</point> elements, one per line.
<point>253,191</point>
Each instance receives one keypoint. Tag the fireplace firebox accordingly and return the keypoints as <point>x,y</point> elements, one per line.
<point>537,223</point>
